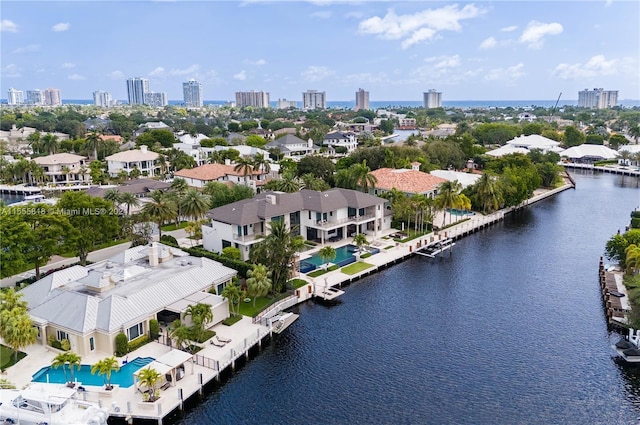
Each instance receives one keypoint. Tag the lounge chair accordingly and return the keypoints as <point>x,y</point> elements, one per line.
<point>217,344</point>
<point>223,340</point>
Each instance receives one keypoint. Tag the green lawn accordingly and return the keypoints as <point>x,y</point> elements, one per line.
<point>172,226</point>
<point>316,273</point>
<point>355,268</point>
<point>7,357</point>
<point>232,319</point>
<point>297,283</point>
<point>247,308</point>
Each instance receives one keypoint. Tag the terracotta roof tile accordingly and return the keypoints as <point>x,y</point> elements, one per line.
<point>404,180</point>
<point>209,172</point>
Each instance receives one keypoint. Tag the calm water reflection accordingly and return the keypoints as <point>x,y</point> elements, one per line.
<point>508,329</point>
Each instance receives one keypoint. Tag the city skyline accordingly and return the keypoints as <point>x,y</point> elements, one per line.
<point>394,50</point>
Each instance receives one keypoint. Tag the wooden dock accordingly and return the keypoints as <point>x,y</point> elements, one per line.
<point>614,296</point>
<point>621,170</point>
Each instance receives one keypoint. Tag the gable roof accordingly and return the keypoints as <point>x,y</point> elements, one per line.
<point>133,155</point>
<point>405,180</point>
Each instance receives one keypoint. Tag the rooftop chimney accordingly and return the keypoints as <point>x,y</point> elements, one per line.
<point>153,254</point>
<point>143,148</point>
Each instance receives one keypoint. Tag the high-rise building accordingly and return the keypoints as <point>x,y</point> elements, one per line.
<point>258,99</point>
<point>15,97</point>
<point>136,89</point>
<point>192,94</point>
<point>598,98</point>
<point>313,99</point>
<point>102,98</point>
<point>156,99</point>
<point>35,97</point>
<point>52,97</point>
<point>286,104</point>
<point>432,99</point>
<point>362,99</point>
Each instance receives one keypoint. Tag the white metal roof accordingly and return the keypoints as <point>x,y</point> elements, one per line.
<point>592,151</point>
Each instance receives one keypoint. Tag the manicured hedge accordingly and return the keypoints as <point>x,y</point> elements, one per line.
<point>137,343</point>
<point>238,265</point>
<point>122,345</point>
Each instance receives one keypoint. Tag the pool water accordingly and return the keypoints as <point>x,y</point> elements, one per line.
<point>342,253</point>
<point>454,211</point>
<point>123,377</point>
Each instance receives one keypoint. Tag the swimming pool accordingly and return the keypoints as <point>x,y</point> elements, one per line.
<point>123,377</point>
<point>344,256</point>
<point>459,212</point>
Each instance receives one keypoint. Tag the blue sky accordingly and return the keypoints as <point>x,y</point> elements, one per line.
<point>483,50</point>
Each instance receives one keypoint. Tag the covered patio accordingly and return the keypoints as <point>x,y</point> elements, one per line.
<point>219,306</point>
<point>170,366</point>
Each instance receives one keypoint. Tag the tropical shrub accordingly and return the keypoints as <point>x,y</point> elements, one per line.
<point>154,329</point>
<point>137,343</point>
<point>122,345</point>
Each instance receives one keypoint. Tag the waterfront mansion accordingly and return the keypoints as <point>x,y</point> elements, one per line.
<point>90,305</point>
<point>331,215</point>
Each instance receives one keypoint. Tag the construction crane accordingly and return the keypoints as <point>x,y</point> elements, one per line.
<point>556,105</point>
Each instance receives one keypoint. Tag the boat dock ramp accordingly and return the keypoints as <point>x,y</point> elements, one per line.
<point>614,295</point>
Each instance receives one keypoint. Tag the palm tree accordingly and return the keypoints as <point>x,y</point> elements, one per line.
<point>327,254</point>
<point>244,166</point>
<point>489,193</point>
<point>113,195</point>
<point>258,281</point>
<point>448,197</point>
<point>362,177</point>
<point>150,377</point>
<point>162,164</point>
<point>360,240</point>
<point>49,143</point>
<point>194,204</point>
<point>279,248</point>
<point>632,258</point>
<point>130,200</point>
<point>34,141</point>
<point>635,132</point>
<point>94,141</point>
<point>177,189</point>
<point>19,333</point>
<point>67,360</point>
<point>65,172</point>
<point>201,315</point>
<point>105,367</point>
<point>311,182</point>
<point>233,293</point>
<point>261,163</point>
<point>182,335</point>
<point>161,208</point>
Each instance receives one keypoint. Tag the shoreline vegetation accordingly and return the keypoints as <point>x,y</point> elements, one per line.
<point>624,249</point>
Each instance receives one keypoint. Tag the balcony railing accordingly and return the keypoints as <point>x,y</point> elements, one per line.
<point>356,219</point>
<point>247,238</point>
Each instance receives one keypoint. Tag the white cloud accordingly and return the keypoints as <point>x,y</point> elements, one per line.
<point>27,49</point>
<point>190,70</point>
<point>535,32</point>
<point>76,77</point>
<point>258,62</point>
<point>62,26</point>
<point>488,43</point>
<point>366,78</point>
<point>420,26</point>
<point>317,73</point>
<point>241,76</point>
<point>68,65</point>
<point>158,72</point>
<point>211,75</point>
<point>8,26</point>
<point>116,75</point>
<point>507,75</point>
<point>596,66</point>
<point>324,14</point>
<point>509,29</point>
<point>11,71</point>
<point>444,61</point>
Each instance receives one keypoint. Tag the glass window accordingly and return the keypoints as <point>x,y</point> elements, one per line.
<point>134,331</point>
<point>62,335</point>
<point>92,344</point>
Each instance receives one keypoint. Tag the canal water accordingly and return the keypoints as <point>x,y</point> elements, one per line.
<point>508,329</point>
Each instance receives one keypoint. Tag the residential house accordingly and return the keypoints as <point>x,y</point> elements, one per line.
<point>465,179</point>
<point>410,181</point>
<point>588,153</point>
<point>199,176</point>
<point>405,123</point>
<point>344,139</point>
<point>152,125</point>
<point>65,168</point>
<point>144,160</point>
<point>89,306</point>
<point>291,146</point>
<point>525,144</point>
<point>319,216</point>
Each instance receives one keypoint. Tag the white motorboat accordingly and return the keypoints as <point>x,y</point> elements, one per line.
<point>48,404</point>
<point>628,347</point>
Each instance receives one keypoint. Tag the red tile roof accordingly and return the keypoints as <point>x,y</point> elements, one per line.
<point>408,181</point>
